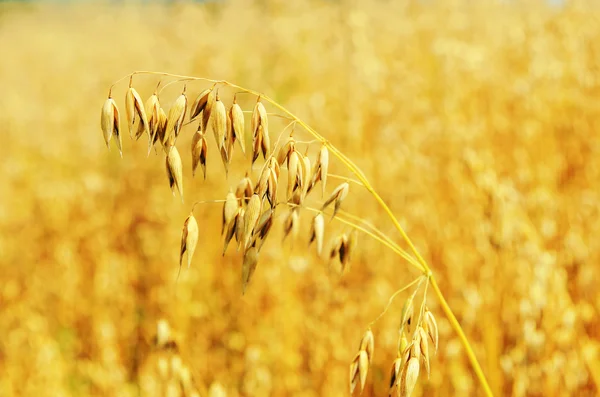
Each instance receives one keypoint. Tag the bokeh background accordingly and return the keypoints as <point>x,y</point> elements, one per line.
<point>478,122</point>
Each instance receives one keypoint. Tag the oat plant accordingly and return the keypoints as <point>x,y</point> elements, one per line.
<point>283,183</point>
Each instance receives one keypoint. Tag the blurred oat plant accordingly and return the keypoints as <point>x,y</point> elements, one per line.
<point>249,211</point>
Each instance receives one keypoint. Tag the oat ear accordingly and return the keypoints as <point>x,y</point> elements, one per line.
<point>219,122</point>
<point>199,103</point>
<point>107,117</point>
<point>237,124</point>
<point>175,170</point>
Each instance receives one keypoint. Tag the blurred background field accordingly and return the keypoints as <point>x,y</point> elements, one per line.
<point>478,122</point>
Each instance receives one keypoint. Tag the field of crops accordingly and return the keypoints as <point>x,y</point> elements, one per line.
<point>478,123</point>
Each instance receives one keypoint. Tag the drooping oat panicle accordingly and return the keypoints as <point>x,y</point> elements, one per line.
<point>175,170</point>
<point>219,122</point>
<point>199,103</point>
<point>230,209</point>
<point>244,189</point>
<point>199,152</point>
<point>207,111</point>
<point>248,267</point>
<point>424,349</point>
<point>367,343</point>
<point>237,124</point>
<point>338,195</point>
<point>251,217</point>
<point>135,107</point>
<point>317,231</point>
<point>431,328</point>
<point>189,239</point>
<point>152,109</point>
<point>109,121</point>
<point>175,118</point>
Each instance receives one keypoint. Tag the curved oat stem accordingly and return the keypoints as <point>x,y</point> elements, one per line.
<point>345,178</point>
<point>417,280</point>
<point>349,164</point>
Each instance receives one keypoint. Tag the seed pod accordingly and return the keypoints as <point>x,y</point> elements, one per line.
<point>409,376</point>
<point>259,118</point>
<point>317,231</point>
<point>250,218</point>
<point>244,189</point>
<point>207,111</point>
<point>263,227</point>
<point>199,151</point>
<point>338,195</point>
<point>237,124</point>
<point>200,103</point>
<point>367,344</point>
<point>395,376</point>
<point>109,121</point>
<point>175,118</point>
<point>230,209</point>
<point>175,171</point>
<point>152,109</point>
<point>189,239</point>
<point>134,106</point>
<point>219,122</point>
<point>248,267</point>
<point>431,328</point>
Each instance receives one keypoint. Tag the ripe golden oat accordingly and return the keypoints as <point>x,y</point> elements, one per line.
<point>199,104</point>
<point>199,152</point>
<point>237,124</point>
<point>175,170</point>
<point>175,118</point>
<point>219,122</point>
<point>338,195</point>
<point>110,123</point>
<point>134,106</point>
<point>189,239</point>
<point>317,231</point>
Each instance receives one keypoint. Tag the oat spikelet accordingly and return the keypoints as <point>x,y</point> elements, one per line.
<point>363,368</point>
<point>265,143</point>
<point>175,118</point>
<point>323,162</point>
<point>338,195</point>
<point>272,187</point>
<point>207,111</point>
<point>239,227</point>
<point>237,124</point>
<point>189,239</point>
<point>395,374</point>
<point>199,151</point>
<point>250,218</point>
<point>244,189</point>
<point>199,104</point>
<point>293,165</point>
<point>354,372</point>
<point>291,224</point>
<point>408,311</point>
<point>161,128</point>
<point>109,121</point>
<point>431,328</point>
<point>409,376</point>
<point>424,349</point>
<point>175,171</point>
<point>285,150</point>
<point>152,109</point>
<point>219,122</point>
<point>367,344</point>
<point>135,107</point>
<point>317,231</point>
<point>230,209</point>
<point>248,267</point>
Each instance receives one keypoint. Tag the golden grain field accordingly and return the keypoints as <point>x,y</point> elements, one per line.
<point>478,123</point>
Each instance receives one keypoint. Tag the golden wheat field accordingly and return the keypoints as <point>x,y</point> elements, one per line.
<point>478,123</point>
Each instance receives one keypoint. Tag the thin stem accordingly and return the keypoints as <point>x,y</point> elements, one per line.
<point>418,279</point>
<point>345,178</point>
